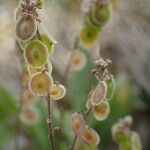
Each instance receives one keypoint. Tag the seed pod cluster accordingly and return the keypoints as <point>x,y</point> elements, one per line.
<point>95,18</point>
<point>124,136</point>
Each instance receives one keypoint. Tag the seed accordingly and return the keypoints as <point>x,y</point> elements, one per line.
<point>90,136</point>
<point>36,54</point>
<point>101,111</point>
<point>57,91</point>
<point>25,28</point>
<point>99,94</point>
<point>40,83</point>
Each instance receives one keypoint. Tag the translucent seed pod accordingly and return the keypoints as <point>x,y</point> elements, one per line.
<point>25,28</point>
<point>40,83</point>
<point>77,123</point>
<point>99,94</point>
<point>36,54</point>
<point>90,136</point>
<point>136,141</point>
<point>78,60</point>
<point>88,36</point>
<point>29,115</point>
<point>81,145</point>
<point>57,91</point>
<point>110,88</point>
<point>33,70</point>
<point>88,103</point>
<point>49,42</point>
<point>101,111</point>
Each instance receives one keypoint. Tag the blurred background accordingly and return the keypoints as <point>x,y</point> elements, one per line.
<point>125,40</point>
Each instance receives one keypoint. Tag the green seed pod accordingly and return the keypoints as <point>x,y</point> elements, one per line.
<point>39,4</point>
<point>99,94</point>
<point>49,42</point>
<point>36,54</point>
<point>40,83</point>
<point>110,88</point>
<point>136,141</point>
<point>25,28</point>
<point>88,36</point>
<point>126,145</point>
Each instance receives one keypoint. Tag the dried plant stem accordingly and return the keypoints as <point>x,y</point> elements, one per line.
<point>74,141</point>
<point>50,135</point>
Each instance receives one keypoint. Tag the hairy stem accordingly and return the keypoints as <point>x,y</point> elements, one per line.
<point>50,127</point>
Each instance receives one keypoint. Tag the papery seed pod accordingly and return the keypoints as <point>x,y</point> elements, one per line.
<point>40,83</point>
<point>49,42</point>
<point>39,4</point>
<point>90,136</point>
<point>36,54</point>
<point>78,60</point>
<point>29,115</point>
<point>88,103</point>
<point>136,143</point>
<point>81,145</point>
<point>77,123</point>
<point>101,111</point>
<point>33,70</point>
<point>57,91</point>
<point>99,94</point>
<point>28,97</point>
<point>88,36</point>
<point>25,28</point>
<point>110,88</point>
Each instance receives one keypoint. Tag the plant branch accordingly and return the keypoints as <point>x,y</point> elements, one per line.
<point>74,141</point>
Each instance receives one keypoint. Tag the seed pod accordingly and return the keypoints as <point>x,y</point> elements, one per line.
<point>36,54</point>
<point>57,91</point>
<point>26,28</point>
<point>77,123</point>
<point>101,111</point>
<point>90,136</point>
<point>99,94</point>
<point>88,36</point>
<point>77,60</point>
<point>40,83</point>
<point>125,145</point>
<point>136,141</point>
<point>88,103</point>
<point>33,70</point>
<point>49,42</point>
<point>29,115</point>
<point>39,4</point>
<point>110,88</point>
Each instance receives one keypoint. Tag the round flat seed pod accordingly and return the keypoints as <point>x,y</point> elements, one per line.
<point>99,94</point>
<point>57,91</point>
<point>78,60</point>
<point>136,141</point>
<point>88,103</point>
<point>88,36</point>
<point>101,111</point>
<point>40,83</point>
<point>90,136</point>
<point>110,88</point>
<point>49,42</point>
<point>26,28</point>
<point>77,123</point>
<point>36,54</point>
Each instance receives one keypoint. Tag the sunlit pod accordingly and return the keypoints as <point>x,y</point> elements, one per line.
<point>57,91</point>
<point>136,141</point>
<point>36,54</point>
<point>101,111</point>
<point>88,36</point>
<point>33,70</point>
<point>78,60</point>
<point>29,115</point>
<point>110,88</point>
<point>40,83</point>
<point>28,97</point>
<point>25,78</point>
<point>49,42</point>
<point>90,136</point>
<point>26,28</point>
<point>77,123</point>
<point>99,94</point>
<point>82,145</point>
<point>88,103</point>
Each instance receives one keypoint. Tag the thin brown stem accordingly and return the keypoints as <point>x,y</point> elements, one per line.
<point>50,135</point>
<point>74,141</point>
